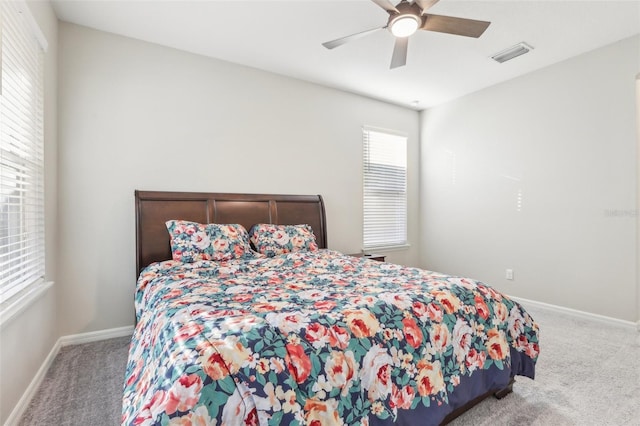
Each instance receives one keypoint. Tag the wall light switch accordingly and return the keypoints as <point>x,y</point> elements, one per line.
<point>509,274</point>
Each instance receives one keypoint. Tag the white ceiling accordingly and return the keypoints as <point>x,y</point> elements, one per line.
<point>285,37</point>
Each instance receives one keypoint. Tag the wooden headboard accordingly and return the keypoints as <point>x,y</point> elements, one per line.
<point>154,208</point>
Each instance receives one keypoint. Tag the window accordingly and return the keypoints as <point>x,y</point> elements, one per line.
<point>385,189</point>
<point>21,150</point>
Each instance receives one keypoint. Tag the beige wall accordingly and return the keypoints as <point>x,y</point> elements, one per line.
<point>135,115</point>
<point>27,339</point>
<point>538,175</point>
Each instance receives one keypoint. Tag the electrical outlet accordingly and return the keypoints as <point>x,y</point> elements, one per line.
<point>509,274</point>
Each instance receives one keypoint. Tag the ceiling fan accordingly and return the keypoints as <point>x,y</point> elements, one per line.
<point>406,18</point>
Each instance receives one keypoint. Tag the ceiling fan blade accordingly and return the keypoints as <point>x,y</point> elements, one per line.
<point>426,4</point>
<point>342,40</point>
<point>386,5</point>
<point>457,26</point>
<point>399,58</point>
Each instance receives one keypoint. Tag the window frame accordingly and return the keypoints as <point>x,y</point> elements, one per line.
<point>373,240</point>
<point>22,165</point>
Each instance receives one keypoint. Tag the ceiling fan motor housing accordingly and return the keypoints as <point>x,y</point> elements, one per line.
<point>406,11</point>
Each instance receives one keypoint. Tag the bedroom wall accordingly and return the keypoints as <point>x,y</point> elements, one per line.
<point>638,200</point>
<point>538,175</point>
<point>27,338</point>
<point>135,115</point>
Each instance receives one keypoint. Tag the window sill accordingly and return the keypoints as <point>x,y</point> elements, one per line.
<point>386,248</point>
<point>21,301</point>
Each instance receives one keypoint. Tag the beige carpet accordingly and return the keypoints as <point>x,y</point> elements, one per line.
<point>588,374</point>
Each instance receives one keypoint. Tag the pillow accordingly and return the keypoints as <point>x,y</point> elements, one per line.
<point>191,241</point>
<point>271,240</point>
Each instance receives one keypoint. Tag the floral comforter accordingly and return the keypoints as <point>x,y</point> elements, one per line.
<point>317,338</point>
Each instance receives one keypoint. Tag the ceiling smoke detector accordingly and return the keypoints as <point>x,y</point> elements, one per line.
<point>512,52</point>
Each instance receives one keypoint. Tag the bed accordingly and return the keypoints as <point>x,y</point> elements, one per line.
<point>299,333</point>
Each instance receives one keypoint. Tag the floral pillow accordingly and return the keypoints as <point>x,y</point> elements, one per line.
<point>271,240</point>
<point>191,241</point>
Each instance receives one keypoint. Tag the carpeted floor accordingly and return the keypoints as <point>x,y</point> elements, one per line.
<point>588,374</point>
<point>82,387</point>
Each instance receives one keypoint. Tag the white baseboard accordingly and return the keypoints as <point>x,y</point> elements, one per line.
<point>576,313</point>
<point>74,339</point>
<point>94,336</point>
<point>28,394</point>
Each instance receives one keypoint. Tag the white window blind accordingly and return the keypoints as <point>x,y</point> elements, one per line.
<point>21,150</point>
<point>385,189</point>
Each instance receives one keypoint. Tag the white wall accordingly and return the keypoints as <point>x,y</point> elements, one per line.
<point>538,174</point>
<point>27,339</point>
<point>135,115</point>
<point>638,199</point>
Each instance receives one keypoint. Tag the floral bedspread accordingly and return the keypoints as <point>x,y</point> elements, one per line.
<point>317,338</point>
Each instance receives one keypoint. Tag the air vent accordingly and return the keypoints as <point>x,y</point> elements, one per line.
<point>512,52</point>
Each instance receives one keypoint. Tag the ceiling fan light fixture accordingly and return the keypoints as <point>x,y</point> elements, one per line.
<point>404,25</point>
